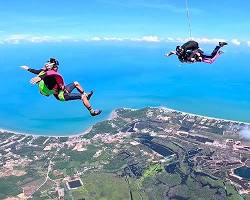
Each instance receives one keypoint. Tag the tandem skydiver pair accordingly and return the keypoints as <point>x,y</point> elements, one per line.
<point>190,52</point>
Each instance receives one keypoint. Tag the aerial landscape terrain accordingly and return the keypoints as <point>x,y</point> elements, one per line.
<point>150,153</point>
<point>124,100</point>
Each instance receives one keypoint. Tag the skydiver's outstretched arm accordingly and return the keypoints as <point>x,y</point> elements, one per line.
<point>34,71</point>
<point>37,78</point>
<point>170,53</point>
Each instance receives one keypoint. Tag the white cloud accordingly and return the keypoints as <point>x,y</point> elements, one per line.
<point>236,42</point>
<point>199,40</point>
<point>210,40</point>
<point>149,38</point>
<point>95,38</point>
<point>170,39</point>
<point>113,39</point>
<point>22,38</point>
<point>19,38</point>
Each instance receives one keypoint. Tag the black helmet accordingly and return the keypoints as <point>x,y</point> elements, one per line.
<point>54,61</point>
<point>179,50</point>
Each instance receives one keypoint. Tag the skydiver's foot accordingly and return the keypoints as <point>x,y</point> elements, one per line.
<point>221,44</point>
<point>220,52</point>
<point>89,94</point>
<point>95,112</point>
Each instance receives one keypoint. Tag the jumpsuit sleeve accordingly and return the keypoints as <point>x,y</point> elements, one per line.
<point>35,71</point>
<point>171,53</point>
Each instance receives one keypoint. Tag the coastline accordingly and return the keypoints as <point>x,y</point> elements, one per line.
<point>113,115</point>
<point>193,114</point>
<point>123,124</point>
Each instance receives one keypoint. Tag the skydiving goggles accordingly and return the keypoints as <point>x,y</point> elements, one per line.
<point>49,65</point>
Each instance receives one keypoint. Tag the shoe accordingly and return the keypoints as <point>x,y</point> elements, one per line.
<point>90,94</point>
<point>95,112</point>
<point>221,44</point>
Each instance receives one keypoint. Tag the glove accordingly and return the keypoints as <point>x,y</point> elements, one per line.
<point>25,67</point>
<point>35,80</point>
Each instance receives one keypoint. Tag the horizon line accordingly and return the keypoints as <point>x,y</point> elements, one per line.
<point>27,38</point>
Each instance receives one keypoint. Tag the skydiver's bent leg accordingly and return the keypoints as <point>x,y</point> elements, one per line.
<point>70,87</point>
<point>216,50</point>
<point>85,101</point>
<point>213,54</point>
<point>68,96</point>
<point>78,87</point>
<point>211,60</point>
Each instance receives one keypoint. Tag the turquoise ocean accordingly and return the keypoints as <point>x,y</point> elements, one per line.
<point>132,75</point>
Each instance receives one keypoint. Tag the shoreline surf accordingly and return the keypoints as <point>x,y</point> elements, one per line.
<point>113,115</point>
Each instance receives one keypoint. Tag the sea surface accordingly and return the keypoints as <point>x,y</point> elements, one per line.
<point>133,75</point>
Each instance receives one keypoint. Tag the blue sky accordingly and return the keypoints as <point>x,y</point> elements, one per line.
<point>76,19</point>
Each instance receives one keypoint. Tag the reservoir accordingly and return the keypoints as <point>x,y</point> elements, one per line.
<point>147,141</point>
<point>243,172</point>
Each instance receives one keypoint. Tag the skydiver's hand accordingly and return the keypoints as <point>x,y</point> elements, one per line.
<point>169,54</point>
<point>192,59</point>
<point>199,58</point>
<point>35,80</point>
<point>25,67</point>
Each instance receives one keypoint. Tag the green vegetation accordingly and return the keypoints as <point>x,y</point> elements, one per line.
<point>46,192</point>
<point>27,139</point>
<point>207,180</point>
<point>39,141</point>
<point>169,179</point>
<point>9,186</point>
<point>115,164</point>
<point>102,186</point>
<point>5,136</point>
<point>75,161</point>
<point>67,167</point>
<point>122,169</point>
<point>151,171</point>
<point>81,156</point>
<point>63,139</point>
<point>232,193</point>
<point>247,197</point>
<point>29,151</point>
<point>101,127</point>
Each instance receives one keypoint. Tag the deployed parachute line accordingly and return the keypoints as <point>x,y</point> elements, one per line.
<point>190,52</point>
<point>188,19</point>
